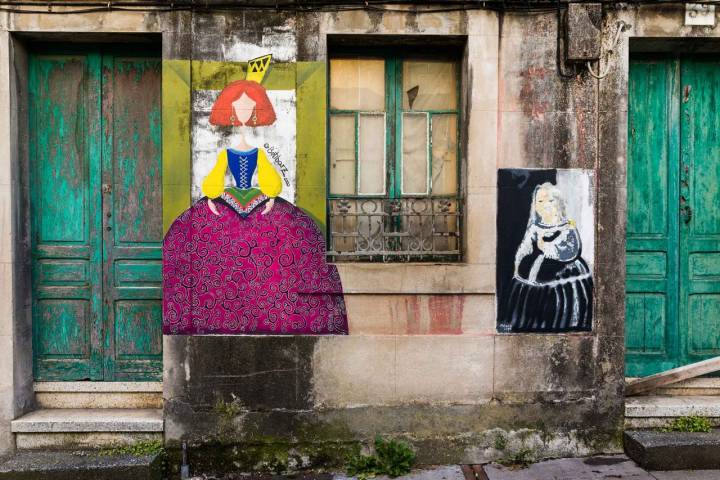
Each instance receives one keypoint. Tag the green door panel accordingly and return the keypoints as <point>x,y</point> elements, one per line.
<point>132,211</point>
<point>700,208</point>
<point>652,234</point>
<point>95,121</point>
<point>65,211</point>
<point>673,223</point>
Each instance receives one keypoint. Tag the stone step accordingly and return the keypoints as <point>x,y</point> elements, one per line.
<point>82,465</point>
<point>655,411</point>
<point>98,394</point>
<point>694,386</point>
<point>655,450</point>
<point>67,428</point>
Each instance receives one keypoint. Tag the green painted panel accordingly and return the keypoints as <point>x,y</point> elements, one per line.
<point>132,237</point>
<point>651,328</point>
<point>133,272</point>
<point>311,167</point>
<point>64,327</point>
<point>704,265</point>
<point>135,129</point>
<point>648,136</point>
<point>63,272</point>
<point>705,333</point>
<point>176,168</point>
<point>60,87</point>
<point>64,106</point>
<point>646,264</point>
<point>645,323</point>
<point>138,330</point>
<point>700,206</point>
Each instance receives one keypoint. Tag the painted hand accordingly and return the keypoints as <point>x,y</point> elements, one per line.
<point>213,207</point>
<point>268,206</point>
<point>541,244</point>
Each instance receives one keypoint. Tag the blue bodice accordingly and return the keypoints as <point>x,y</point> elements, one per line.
<point>242,166</point>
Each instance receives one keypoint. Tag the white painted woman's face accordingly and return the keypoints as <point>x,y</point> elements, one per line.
<point>546,206</point>
<point>243,108</point>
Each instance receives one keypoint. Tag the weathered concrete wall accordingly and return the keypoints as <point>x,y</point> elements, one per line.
<point>423,361</point>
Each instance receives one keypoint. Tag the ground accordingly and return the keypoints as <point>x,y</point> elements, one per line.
<point>592,468</point>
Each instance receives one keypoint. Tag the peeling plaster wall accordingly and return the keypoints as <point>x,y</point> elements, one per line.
<point>423,361</point>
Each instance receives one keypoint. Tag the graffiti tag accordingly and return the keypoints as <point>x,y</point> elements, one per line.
<point>275,155</point>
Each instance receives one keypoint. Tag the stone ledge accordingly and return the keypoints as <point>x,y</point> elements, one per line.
<point>672,406</point>
<point>60,420</point>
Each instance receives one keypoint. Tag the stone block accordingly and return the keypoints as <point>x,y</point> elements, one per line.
<point>31,465</point>
<point>545,365</point>
<point>655,450</point>
<point>454,369</point>
<point>351,371</point>
<point>255,372</point>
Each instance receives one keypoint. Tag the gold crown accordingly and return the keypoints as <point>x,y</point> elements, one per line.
<point>257,68</point>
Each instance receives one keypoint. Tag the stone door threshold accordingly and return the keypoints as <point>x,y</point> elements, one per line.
<point>99,387</point>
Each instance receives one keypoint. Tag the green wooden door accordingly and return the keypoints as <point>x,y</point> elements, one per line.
<point>673,224</point>
<point>96,219</point>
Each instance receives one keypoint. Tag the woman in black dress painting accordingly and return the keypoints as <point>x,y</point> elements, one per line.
<point>551,290</point>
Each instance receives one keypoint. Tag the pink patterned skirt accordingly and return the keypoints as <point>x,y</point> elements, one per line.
<point>262,274</point>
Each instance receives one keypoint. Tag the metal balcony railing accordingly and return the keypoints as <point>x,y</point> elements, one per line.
<point>407,229</point>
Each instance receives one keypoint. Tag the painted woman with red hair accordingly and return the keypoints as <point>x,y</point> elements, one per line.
<point>242,260</point>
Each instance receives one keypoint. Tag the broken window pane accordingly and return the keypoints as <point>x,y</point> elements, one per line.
<point>444,154</point>
<point>414,153</point>
<point>429,85</point>
<point>371,154</point>
<point>357,84</point>
<point>342,154</point>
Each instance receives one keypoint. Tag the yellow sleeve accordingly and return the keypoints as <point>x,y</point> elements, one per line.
<point>268,178</point>
<point>214,184</point>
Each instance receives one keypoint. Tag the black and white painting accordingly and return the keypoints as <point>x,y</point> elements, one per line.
<point>545,250</point>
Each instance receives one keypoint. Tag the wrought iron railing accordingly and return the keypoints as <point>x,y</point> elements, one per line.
<point>408,229</point>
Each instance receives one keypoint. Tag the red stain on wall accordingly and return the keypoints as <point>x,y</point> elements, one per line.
<point>532,106</point>
<point>413,312</point>
<point>446,314</point>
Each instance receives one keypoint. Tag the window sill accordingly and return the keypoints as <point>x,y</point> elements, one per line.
<point>417,278</point>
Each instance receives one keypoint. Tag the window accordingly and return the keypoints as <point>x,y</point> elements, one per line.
<point>393,169</point>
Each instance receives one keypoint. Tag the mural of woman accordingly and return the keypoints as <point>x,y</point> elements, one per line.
<point>551,289</point>
<point>242,260</point>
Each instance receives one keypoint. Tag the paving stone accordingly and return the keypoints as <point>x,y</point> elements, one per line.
<point>445,472</point>
<point>593,468</point>
<point>688,475</point>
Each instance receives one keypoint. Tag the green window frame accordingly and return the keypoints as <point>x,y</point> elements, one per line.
<point>394,198</point>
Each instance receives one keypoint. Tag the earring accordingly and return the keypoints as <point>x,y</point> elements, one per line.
<point>254,118</point>
<point>232,118</point>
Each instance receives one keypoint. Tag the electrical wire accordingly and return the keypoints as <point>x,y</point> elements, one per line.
<point>419,6</point>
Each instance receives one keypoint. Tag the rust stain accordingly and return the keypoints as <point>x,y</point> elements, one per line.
<point>533,77</point>
<point>446,314</point>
